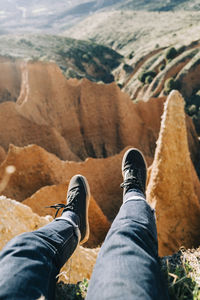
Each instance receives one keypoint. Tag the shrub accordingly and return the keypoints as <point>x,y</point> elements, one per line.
<point>161,67</point>
<point>170,53</point>
<point>169,60</point>
<point>85,57</point>
<point>127,68</point>
<point>195,99</point>
<point>170,84</point>
<point>142,76</point>
<point>181,49</point>
<point>148,79</point>
<point>192,109</point>
<point>130,56</point>
<point>181,274</point>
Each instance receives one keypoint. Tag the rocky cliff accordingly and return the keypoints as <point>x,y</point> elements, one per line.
<point>83,127</point>
<point>172,187</point>
<point>50,195</point>
<point>17,218</point>
<point>76,119</point>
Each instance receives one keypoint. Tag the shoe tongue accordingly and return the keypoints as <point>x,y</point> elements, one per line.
<point>129,173</point>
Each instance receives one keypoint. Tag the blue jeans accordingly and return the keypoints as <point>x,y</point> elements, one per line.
<point>30,262</point>
<point>127,266</point>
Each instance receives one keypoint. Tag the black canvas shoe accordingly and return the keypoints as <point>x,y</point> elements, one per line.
<point>134,170</point>
<point>78,195</point>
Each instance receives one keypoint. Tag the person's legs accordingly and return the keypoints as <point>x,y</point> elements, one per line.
<point>30,262</point>
<point>127,266</point>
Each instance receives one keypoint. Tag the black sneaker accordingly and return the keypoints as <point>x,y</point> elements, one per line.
<point>134,171</point>
<point>78,195</point>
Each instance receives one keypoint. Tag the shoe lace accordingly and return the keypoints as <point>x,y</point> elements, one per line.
<point>58,207</point>
<point>132,180</point>
<point>70,205</point>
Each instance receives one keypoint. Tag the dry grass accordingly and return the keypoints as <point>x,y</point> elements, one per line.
<point>182,271</point>
<point>127,31</point>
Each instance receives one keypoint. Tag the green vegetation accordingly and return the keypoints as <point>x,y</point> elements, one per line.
<point>170,84</point>
<point>143,75</point>
<point>148,79</point>
<point>182,274</point>
<point>192,108</point>
<point>76,58</point>
<point>161,68</point>
<point>181,50</point>
<point>127,68</point>
<point>170,54</point>
<point>131,55</point>
<point>71,291</point>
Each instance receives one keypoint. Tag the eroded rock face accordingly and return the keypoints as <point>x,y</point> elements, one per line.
<point>17,218</point>
<point>20,131</point>
<point>51,195</point>
<point>96,120</point>
<point>171,186</point>
<point>10,79</point>
<point>2,154</point>
<point>75,119</point>
<point>36,168</point>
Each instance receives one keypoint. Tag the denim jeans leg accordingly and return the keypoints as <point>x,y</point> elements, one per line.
<point>30,262</point>
<point>127,266</point>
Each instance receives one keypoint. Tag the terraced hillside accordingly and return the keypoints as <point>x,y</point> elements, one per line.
<point>162,70</point>
<point>133,32</point>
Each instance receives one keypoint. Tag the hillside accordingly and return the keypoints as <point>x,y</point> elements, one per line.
<point>162,70</point>
<point>144,38</point>
<point>20,16</point>
<point>76,58</point>
<point>138,32</point>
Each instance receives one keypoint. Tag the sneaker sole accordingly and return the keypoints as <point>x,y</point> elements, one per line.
<point>87,189</point>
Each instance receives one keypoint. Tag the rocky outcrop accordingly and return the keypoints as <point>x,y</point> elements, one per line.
<point>51,195</point>
<point>10,79</point>
<point>17,218</point>
<point>73,119</point>
<point>2,154</point>
<point>20,131</point>
<point>96,120</point>
<point>77,119</point>
<point>171,187</point>
<point>36,168</point>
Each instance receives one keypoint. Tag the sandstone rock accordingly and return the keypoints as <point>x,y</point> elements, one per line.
<point>76,119</point>
<point>96,120</point>
<point>17,218</point>
<point>73,119</point>
<point>51,195</point>
<point>2,154</point>
<point>10,79</point>
<point>21,132</point>
<point>171,186</point>
<point>36,168</point>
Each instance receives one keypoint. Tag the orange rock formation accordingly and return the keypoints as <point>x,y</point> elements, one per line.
<point>171,186</point>
<point>74,119</point>
<point>10,79</point>
<point>36,168</point>
<point>17,218</point>
<point>50,195</point>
